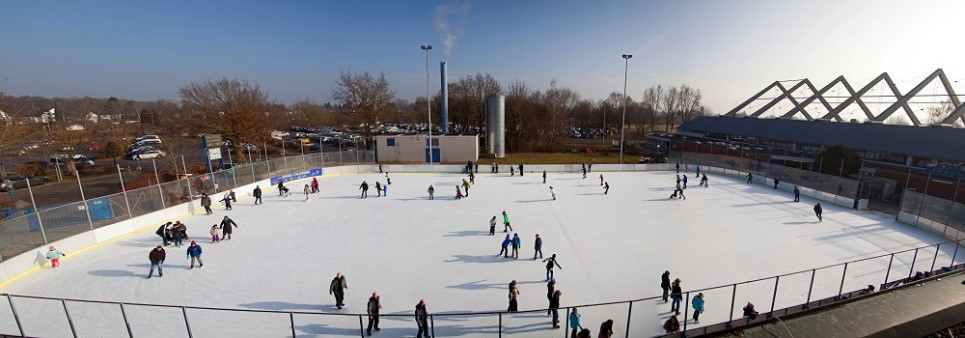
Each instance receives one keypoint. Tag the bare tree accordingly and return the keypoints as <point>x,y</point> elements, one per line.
<point>366,96</point>
<point>651,102</point>
<point>467,100</point>
<point>233,108</point>
<point>670,103</point>
<point>938,113</point>
<point>690,103</point>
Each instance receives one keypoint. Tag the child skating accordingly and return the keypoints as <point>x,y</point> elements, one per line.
<point>552,193</point>
<point>53,255</point>
<point>214,234</point>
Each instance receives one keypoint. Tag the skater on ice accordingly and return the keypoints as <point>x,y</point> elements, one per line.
<point>365,189</point>
<point>665,284</point>
<point>513,297</point>
<point>227,201</point>
<point>601,179</point>
<point>555,307</point>
<point>817,211</point>
<point>465,186</point>
<point>506,224</point>
<point>307,190</point>
<point>282,189</point>
<point>552,193</point>
<point>685,181</point>
<point>314,185</point>
<point>194,252</point>
<point>516,244</point>
<point>750,177</point>
<point>492,226</point>
<point>257,194</point>
<point>162,231</point>
<point>550,263</point>
<point>458,193</point>
<point>512,171</point>
<point>550,288</point>
<point>337,288</point>
<point>776,182</point>
<point>520,170</point>
<point>698,171</point>
<point>206,203</point>
<point>472,178</point>
<point>53,255</point>
<point>505,247</point>
<point>544,176</point>
<point>378,189</point>
<point>177,233</point>
<point>385,190</point>
<point>388,180</point>
<point>797,194</point>
<point>584,172</point>
<point>703,181</point>
<point>606,187</point>
<point>225,226</point>
<point>214,234</point>
<point>156,257</point>
<point>538,243</point>
<point>431,191</point>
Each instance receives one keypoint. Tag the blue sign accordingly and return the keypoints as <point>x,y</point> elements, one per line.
<point>297,176</point>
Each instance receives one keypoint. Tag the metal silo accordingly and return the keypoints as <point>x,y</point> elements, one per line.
<point>496,125</point>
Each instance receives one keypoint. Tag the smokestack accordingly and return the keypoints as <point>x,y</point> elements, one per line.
<point>445,97</point>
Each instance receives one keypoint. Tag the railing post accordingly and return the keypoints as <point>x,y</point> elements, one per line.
<point>807,304</point>
<point>500,325</point>
<point>187,324</point>
<point>777,280</point>
<point>361,326</point>
<point>90,221</point>
<point>291,319</point>
<point>888,272</point>
<point>841,288</point>
<point>432,325</point>
<point>156,178</point>
<point>629,311</point>
<point>567,327</point>
<point>124,190</point>
<point>70,321</point>
<point>16,317</point>
<point>937,248</point>
<point>957,244</point>
<point>130,333</point>
<point>687,310</point>
<point>33,203</point>
<point>733,297</point>
<point>913,259</point>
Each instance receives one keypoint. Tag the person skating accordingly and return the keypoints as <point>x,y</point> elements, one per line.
<point>589,167</point>
<point>539,247</point>
<point>225,226</point>
<point>678,194</point>
<point>672,325</point>
<point>550,288</point>
<point>194,252</point>
<point>601,179</point>
<point>676,295</point>
<point>176,234</point>
<point>231,193</point>
<point>161,232</point>
<point>776,182</point>
<point>458,193</point>
<point>552,193</point>
<point>314,185</point>
<point>698,304</point>
<point>584,172</point>
<point>307,190</point>
<point>337,288</point>
<point>516,244</point>
<point>385,190</point>
<point>512,171</point>
<point>421,319</point>
<point>373,311</point>
<point>555,307</point>
<point>156,257</point>
<point>544,176</point>
<point>505,247</point>
<point>378,189</point>
<point>550,263</point>
<point>606,329</point>
<point>492,169</point>
<point>257,194</point>
<point>817,211</point>
<point>472,178</point>
<point>665,284</point>
<point>380,168</point>
<point>465,186</point>
<point>492,226</point>
<point>606,187</point>
<point>206,203</point>
<point>282,190</point>
<point>513,297</point>
<point>365,189</point>
<point>685,181</point>
<point>698,171</point>
<point>214,234</point>
<point>520,170</point>
<point>496,165</point>
<point>431,191</point>
<point>388,180</point>
<point>678,181</point>
<point>678,167</point>
<point>506,224</point>
<point>703,181</point>
<point>797,194</point>
<point>227,201</point>
<point>750,177</point>
<point>53,255</point>
<point>575,324</point>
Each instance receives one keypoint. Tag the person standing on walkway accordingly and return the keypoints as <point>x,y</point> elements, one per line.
<point>665,284</point>
<point>606,329</point>
<point>421,319</point>
<point>698,304</point>
<point>550,288</point>
<point>337,288</point>
<point>373,310</point>
<point>550,263</point>
<point>575,322</point>
<point>539,247</point>
<point>506,224</point>
<point>513,297</point>
<point>555,307</point>
<point>156,257</point>
<point>194,252</point>
<point>817,211</point>
<point>365,189</point>
<point>797,194</point>
<point>257,194</point>
<point>672,325</point>
<point>53,255</point>
<point>676,295</point>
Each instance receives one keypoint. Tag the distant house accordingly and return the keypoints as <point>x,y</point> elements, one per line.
<point>92,117</point>
<point>5,118</point>
<point>49,116</point>
<point>75,127</point>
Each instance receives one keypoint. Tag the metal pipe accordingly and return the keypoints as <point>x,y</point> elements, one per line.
<point>807,303</point>
<point>845,272</point>
<point>937,248</point>
<point>33,203</point>
<point>130,333</point>
<point>629,311</point>
<point>16,317</point>
<point>623,121</point>
<point>777,280</point>
<point>291,319</point>
<point>912,270</point>
<point>90,221</point>
<point>733,297</point>
<point>186,322</point>
<point>70,321</point>
<point>158,179</point>
<point>888,272</point>
<point>186,178</point>
<point>126,201</point>
<point>361,327</point>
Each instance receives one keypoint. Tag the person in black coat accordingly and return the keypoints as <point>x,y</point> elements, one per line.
<point>225,226</point>
<point>257,194</point>
<point>421,319</point>
<point>555,307</point>
<point>365,189</point>
<point>157,257</point>
<point>337,288</point>
<point>665,284</point>
<point>818,210</point>
<point>676,294</point>
<point>372,309</point>
<point>550,288</point>
<point>160,232</point>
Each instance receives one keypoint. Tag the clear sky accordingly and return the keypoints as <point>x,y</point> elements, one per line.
<point>295,49</point>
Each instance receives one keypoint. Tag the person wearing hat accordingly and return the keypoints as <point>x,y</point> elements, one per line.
<point>194,252</point>
<point>54,256</point>
<point>157,257</point>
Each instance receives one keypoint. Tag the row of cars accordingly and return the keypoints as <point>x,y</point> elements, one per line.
<point>145,147</point>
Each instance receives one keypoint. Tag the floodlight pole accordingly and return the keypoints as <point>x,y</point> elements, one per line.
<point>428,104</point>
<point>623,121</point>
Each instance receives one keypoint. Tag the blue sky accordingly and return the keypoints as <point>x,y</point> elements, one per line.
<point>295,49</point>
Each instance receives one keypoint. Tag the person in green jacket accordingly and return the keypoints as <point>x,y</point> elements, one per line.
<point>465,186</point>
<point>506,224</point>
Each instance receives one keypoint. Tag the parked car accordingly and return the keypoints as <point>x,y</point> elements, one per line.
<point>147,154</point>
<point>61,159</point>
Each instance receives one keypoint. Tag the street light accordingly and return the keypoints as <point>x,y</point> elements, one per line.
<point>428,103</point>
<point>623,121</point>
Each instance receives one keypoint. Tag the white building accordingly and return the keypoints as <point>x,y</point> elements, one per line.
<point>416,148</point>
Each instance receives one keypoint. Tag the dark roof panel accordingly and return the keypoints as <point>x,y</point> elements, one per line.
<point>945,143</point>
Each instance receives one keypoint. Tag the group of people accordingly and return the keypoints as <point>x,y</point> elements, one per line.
<point>172,233</point>
<point>382,190</point>
<point>374,305</point>
<point>175,233</point>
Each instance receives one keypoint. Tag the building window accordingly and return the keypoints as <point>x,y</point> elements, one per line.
<point>390,142</point>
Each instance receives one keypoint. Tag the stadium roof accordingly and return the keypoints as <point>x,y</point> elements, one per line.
<point>944,143</point>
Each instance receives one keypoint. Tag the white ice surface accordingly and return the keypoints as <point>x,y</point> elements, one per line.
<point>611,247</point>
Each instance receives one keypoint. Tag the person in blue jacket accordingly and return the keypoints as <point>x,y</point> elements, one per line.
<point>505,250</point>
<point>698,303</point>
<point>516,244</point>
<point>194,252</point>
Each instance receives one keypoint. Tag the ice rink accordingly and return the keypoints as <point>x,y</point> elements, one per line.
<point>611,247</point>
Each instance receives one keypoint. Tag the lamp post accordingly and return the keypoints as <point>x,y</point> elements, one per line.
<point>428,104</point>
<point>623,120</point>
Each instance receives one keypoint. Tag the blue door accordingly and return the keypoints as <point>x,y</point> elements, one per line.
<point>436,155</point>
<point>100,209</point>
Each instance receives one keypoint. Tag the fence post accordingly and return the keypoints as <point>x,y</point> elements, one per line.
<point>40,220</point>
<point>432,325</point>
<point>912,270</point>
<point>70,321</point>
<point>126,323</point>
<point>733,297</point>
<point>937,248</point>
<point>86,207</point>
<point>567,327</point>
<point>888,272</point>
<point>16,317</point>
<point>686,310</point>
<point>957,244</point>
<point>500,325</point>
<point>807,304</point>
<point>158,179</point>
<point>291,319</point>
<point>126,201</point>
<point>777,280</point>
<point>841,288</point>
<point>186,322</point>
<point>629,311</point>
<point>361,326</point>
